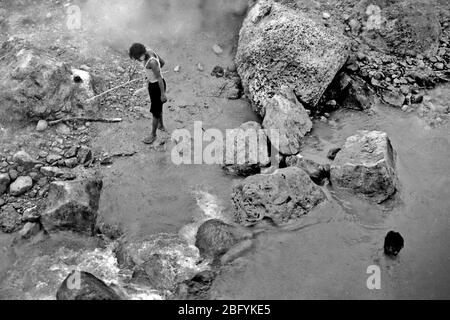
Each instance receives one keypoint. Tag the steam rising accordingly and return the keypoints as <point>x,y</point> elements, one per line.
<point>121,22</point>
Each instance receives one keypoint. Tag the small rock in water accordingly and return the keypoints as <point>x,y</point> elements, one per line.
<point>177,69</point>
<point>42,126</point>
<point>393,244</point>
<point>199,285</point>
<point>326,15</point>
<point>393,98</point>
<point>29,230</point>
<point>215,238</point>
<point>217,49</point>
<point>89,288</point>
<point>218,72</point>
<point>200,67</point>
<point>156,273</point>
<point>333,153</point>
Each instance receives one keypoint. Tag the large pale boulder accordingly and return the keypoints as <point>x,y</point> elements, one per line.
<point>280,46</point>
<point>282,196</point>
<point>36,85</point>
<point>85,286</point>
<point>366,166</point>
<point>286,116</point>
<point>73,206</point>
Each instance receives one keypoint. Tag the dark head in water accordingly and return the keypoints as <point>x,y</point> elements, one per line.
<point>393,244</point>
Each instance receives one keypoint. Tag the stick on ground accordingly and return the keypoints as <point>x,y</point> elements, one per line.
<point>105,120</point>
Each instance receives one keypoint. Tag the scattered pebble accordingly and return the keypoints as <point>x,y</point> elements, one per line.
<point>42,126</point>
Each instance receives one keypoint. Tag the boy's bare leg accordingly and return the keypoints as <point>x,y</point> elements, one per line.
<point>152,138</point>
<point>161,124</point>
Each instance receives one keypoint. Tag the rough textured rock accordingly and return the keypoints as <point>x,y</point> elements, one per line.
<point>255,151</point>
<point>4,182</point>
<point>282,196</point>
<point>157,272</point>
<point>159,261</point>
<point>401,26</point>
<point>20,186</point>
<point>281,46</point>
<point>396,99</point>
<point>36,85</point>
<point>72,206</point>
<point>90,288</point>
<point>134,254</point>
<point>366,165</point>
<point>287,116</point>
<point>10,220</point>
<point>215,238</point>
<point>197,288</point>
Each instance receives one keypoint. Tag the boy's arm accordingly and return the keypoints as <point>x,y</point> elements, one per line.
<point>161,60</point>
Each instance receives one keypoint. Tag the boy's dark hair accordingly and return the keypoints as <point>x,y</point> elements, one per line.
<point>137,50</point>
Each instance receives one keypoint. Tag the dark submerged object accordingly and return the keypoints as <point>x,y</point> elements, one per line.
<point>393,244</point>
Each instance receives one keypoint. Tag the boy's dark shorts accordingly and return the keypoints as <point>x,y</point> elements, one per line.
<point>155,98</point>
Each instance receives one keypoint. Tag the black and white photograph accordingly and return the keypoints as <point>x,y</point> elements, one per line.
<point>247,151</point>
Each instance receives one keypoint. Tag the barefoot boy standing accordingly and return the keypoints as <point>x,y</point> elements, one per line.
<point>156,85</point>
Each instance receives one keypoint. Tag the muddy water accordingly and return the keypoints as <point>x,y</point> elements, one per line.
<point>330,260</point>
